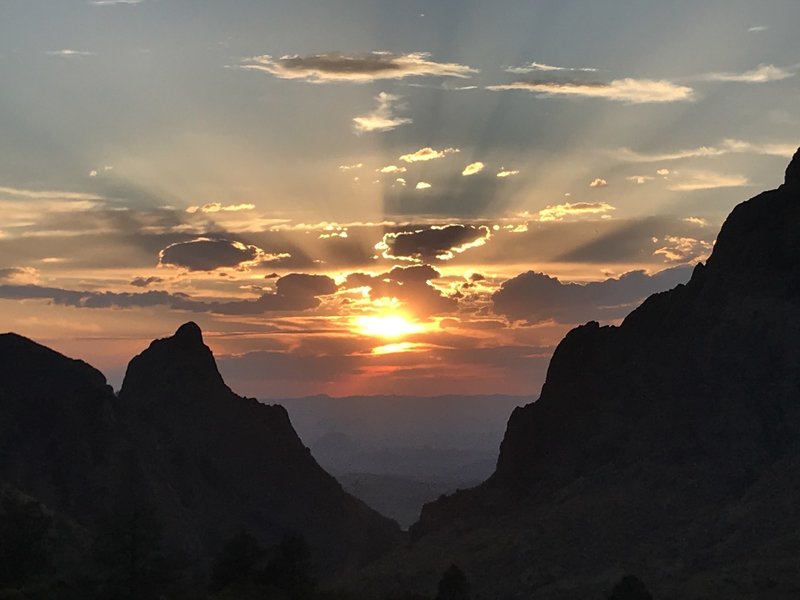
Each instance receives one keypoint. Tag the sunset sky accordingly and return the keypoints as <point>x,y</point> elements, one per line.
<point>373,196</point>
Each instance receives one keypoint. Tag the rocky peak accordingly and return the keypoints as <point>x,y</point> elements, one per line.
<point>173,367</point>
<point>793,170</point>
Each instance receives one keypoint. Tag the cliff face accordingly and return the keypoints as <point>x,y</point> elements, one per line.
<point>668,446</point>
<point>177,439</point>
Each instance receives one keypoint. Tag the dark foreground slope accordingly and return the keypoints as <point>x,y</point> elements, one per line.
<point>668,446</point>
<point>178,441</point>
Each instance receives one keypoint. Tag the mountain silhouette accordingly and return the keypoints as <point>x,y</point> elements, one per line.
<point>668,446</point>
<point>176,439</point>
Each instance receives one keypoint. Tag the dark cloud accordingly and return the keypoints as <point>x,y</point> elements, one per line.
<point>144,282</point>
<point>206,254</point>
<point>10,273</point>
<point>536,297</point>
<point>432,242</point>
<point>294,292</point>
<point>410,285</point>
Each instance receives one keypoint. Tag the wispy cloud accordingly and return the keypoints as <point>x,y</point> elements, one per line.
<point>706,180</point>
<point>559,212</point>
<point>426,154</point>
<point>631,91</point>
<point>47,194</point>
<point>66,52</point>
<point>350,167</point>
<point>356,68</point>
<point>757,29</point>
<point>503,173</point>
<point>113,2</point>
<point>215,207</point>
<point>679,250</point>
<point>383,117</point>
<point>473,169</point>
<point>639,179</point>
<point>598,183</point>
<point>534,66</point>
<point>761,74</point>
<point>728,146</point>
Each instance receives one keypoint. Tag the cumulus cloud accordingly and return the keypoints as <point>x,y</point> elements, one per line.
<point>473,169</point>
<point>383,117</point>
<point>392,169</point>
<point>761,74</point>
<point>727,146</point>
<point>410,285</point>
<point>356,68</point>
<point>559,212</point>
<point>534,66</point>
<point>426,154</point>
<point>631,91</point>
<point>706,180</point>
<point>597,183</point>
<point>215,207</point>
<point>423,185</point>
<point>536,297</point>
<point>293,292</point>
<point>680,250</point>
<point>206,254</point>
<point>432,243</point>
<point>503,173</point>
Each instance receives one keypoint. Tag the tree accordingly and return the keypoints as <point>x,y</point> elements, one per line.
<point>453,585</point>
<point>127,551</point>
<point>289,568</point>
<point>630,588</point>
<point>236,562</point>
<point>24,552</point>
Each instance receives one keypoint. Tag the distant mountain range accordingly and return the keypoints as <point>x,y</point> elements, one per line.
<point>667,447</point>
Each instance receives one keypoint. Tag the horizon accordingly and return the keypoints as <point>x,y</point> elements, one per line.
<point>404,198</point>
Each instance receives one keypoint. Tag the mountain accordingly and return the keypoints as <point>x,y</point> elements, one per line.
<point>175,440</point>
<point>667,447</point>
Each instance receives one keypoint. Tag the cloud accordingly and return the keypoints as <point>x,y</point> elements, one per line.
<point>383,117</point>
<point>536,297</point>
<point>663,172</point>
<point>727,146</point>
<point>392,169</point>
<point>426,154</point>
<point>48,194</point>
<point>335,67</point>
<point>707,180</point>
<point>144,282</point>
<point>350,167</point>
<point>631,91</point>
<point>401,181</point>
<point>757,29</point>
<point>432,243</point>
<point>684,249</point>
<point>423,185</point>
<point>410,285</point>
<point>19,274</point>
<point>215,207</point>
<point>534,66</point>
<point>559,212</point>
<point>66,52</point>
<point>699,221</point>
<point>92,173</point>
<point>597,183</point>
<point>473,168</point>
<point>294,292</point>
<point>639,179</point>
<point>503,173</point>
<point>761,74</point>
<point>206,254</point>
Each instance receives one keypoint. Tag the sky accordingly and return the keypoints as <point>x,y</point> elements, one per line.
<point>373,196</point>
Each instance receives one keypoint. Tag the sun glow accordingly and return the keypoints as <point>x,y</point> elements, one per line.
<point>387,326</point>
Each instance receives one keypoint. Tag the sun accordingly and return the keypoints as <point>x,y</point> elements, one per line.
<point>387,326</point>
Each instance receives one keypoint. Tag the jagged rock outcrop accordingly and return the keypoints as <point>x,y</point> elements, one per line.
<point>177,440</point>
<point>668,446</point>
